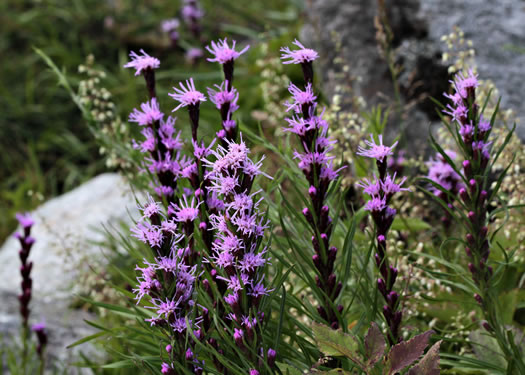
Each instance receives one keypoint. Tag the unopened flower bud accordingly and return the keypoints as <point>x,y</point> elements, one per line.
<point>467,168</point>
<point>271,357</point>
<point>478,298</point>
<point>189,355</point>
<point>464,195</point>
<point>483,196</point>
<point>472,184</point>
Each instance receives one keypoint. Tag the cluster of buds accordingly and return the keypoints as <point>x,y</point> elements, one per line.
<point>381,190</point>
<point>317,167</point>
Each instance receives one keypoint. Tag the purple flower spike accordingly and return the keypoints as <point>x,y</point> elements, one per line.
<point>142,62</point>
<point>187,96</point>
<point>300,56</point>
<point>148,115</point>
<point>376,151</point>
<point>223,52</point>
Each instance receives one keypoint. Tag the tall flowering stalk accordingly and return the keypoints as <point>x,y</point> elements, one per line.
<point>188,96</point>
<point>26,242</point>
<point>471,132</point>
<point>226,96</point>
<point>317,167</point>
<point>161,141</point>
<point>381,189</point>
<point>166,286</point>
<point>237,251</point>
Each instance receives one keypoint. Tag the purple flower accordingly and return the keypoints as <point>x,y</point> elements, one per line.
<point>187,212</point>
<point>464,83</point>
<point>299,56</point>
<point>484,125</point>
<point>191,12</point>
<point>376,151</point>
<point>167,369</point>
<point>390,187</point>
<point>372,188</point>
<point>142,62</point>
<point>194,54</point>
<point>149,114</point>
<point>187,96</point>
<point>457,113</point>
<point>41,334</point>
<point>222,51</point>
<point>170,25</point>
<point>376,204</point>
<point>25,220</point>
<point>443,174</point>
<point>300,97</point>
<point>223,95</point>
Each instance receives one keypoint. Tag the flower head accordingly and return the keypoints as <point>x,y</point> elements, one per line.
<point>463,83</point>
<point>170,25</point>
<point>299,56</point>
<point>187,96</point>
<point>376,151</point>
<point>370,187</point>
<point>25,220</point>
<point>300,97</point>
<point>222,95</point>
<point>187,212</point>
<point>142,62</point>
<point>149,113</point>
<point>222,51</point>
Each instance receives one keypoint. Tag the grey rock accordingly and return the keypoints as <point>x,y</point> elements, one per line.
<point>496,30</point>
<point>66,229</point>
<point>498,35</point>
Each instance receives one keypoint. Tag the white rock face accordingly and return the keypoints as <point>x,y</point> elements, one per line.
<point>66,229</point>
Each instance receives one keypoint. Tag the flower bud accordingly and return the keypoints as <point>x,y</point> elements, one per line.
<point>483,196</point>
<point>464,195</point>
<point>467,168</point>
<point>238,337</point>
<point>472,184</point>
<point>271,357</point>
<point>168,348</point>
<point>189,355</point>
<point>478,298</point>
